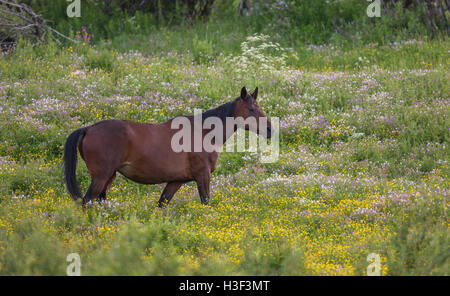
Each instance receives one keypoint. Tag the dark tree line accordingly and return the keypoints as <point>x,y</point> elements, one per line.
<point>188,8</point>
<point>436,11</point>
<point>23,17</point>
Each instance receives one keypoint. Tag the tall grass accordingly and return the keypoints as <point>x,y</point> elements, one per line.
<point>363,164</point>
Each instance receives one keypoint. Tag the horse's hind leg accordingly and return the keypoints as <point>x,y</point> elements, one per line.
<point>94,190</point>
<point>102,195</point>
<point>168,192</point>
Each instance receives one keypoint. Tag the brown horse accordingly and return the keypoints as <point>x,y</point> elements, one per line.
<point>142,152</point>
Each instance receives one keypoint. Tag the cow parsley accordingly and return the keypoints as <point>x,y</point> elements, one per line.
<point>259,55</point>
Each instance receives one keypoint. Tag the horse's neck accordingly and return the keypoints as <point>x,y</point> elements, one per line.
<point>223,111</point>
<point>226,134</point>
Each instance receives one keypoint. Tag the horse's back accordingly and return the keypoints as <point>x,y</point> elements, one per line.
<point>141,152</point>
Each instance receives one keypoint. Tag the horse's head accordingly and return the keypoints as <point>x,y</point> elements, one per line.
<point>254,118</point>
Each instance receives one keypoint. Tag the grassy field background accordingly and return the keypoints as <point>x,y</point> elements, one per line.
<point>363,167</point>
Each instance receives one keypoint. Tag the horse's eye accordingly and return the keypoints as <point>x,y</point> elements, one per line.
<point>252,110</point>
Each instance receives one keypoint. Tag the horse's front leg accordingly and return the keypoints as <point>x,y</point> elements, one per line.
<point>168,192</point>
<point>203,186</point>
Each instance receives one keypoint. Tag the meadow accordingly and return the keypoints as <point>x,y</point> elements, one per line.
<point>363,165</point>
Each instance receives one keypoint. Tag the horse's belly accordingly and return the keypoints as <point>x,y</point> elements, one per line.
<point>151,174</point>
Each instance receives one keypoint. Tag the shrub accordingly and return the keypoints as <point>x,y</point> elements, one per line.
<point>422,243</point>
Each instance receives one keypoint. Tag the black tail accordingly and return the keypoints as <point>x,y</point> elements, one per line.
<point>70,162</point>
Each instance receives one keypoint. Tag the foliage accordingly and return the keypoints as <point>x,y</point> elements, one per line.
<point>258,56</point>
<point>421,246</point>
<point>291,22</point>
<point>363,164</point>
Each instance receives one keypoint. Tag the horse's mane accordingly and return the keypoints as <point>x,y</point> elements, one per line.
<point>223,111</point>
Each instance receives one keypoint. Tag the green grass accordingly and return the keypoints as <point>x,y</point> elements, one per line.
<point>363,162</point>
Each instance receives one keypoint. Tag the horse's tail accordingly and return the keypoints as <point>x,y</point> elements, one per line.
<point>70,162</point>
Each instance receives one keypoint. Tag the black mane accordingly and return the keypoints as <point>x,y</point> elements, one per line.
<point>223,111</point>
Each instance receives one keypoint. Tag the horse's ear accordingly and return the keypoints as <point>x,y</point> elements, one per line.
<point>255,93</point>
<point>244,93</point>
